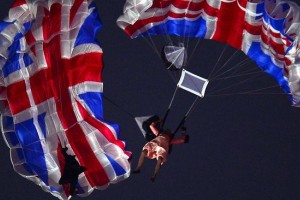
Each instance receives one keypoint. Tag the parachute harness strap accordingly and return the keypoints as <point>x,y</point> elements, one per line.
<point>169,108</point>
<point>187,114</point>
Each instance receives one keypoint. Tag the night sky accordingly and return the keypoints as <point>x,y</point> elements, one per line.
<point>242,146</point>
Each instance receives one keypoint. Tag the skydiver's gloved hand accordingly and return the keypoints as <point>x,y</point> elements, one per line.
<point>185,136</point>
<point>137,171</point>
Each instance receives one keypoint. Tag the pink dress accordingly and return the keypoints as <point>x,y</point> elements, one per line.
<point>158,147</point>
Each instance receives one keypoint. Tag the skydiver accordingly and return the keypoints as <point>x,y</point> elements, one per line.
<point>159,148</point>
<point>71,171</point>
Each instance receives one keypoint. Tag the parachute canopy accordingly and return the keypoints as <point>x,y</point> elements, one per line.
<point>51,96</point>
<point>267,31</point>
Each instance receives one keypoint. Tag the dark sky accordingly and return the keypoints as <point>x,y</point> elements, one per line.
<point>242,147</point>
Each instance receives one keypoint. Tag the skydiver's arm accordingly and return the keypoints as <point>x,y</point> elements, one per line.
<point>154,130</point>
<point>184,138</point>
<point>177,141</point>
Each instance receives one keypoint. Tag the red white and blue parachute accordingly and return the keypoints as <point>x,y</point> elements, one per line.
<point>267,31</point>
<point>51,96</point>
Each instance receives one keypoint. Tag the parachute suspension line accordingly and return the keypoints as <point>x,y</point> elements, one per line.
<point>222,67</point>
<point>261,89</point>
<point>240,65</point>
<point>237,74</point>
<point>174,75</point>
<point>248,60</point>
<point>212,71</point>
<point>169,40</point>
<point>117,106</point>
<point>238,83</point>
<point>252,73</point>
<point>151,43</point>
<point>242,71</point>
<point>186,34</point>
<point>252,92</point>
<point>193,52</point>
<point>166,35</point>
<point>169,108</point>
<point>187,114</point>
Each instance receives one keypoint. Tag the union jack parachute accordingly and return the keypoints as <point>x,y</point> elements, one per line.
<point>51,96</point>
<point>267,31</point>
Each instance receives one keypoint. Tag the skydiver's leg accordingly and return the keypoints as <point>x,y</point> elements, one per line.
<point>141,161</point>
<point>157,167</point>
<point>73,186</point>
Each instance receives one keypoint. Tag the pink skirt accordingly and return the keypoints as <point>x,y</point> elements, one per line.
<point>158,147</point>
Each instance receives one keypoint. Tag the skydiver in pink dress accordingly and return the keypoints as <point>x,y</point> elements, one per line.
<point>159,148</point>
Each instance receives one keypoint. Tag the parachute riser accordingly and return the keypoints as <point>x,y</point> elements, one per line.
<point>181,124</point>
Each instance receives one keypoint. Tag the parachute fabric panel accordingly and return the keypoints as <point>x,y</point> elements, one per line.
<point>193,83</point>
<point>51,96</point>
<point>267,31</point>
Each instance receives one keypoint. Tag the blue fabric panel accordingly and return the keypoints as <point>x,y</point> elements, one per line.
<point>116,127</point>
<point>265,63</point>
<point>285,7</point>
<point>260,9</point>
<point>12,138</point>
<point>196,28</point>
<point>32,148</point>
<point>94,102</point>
<point>4,24</point>
<point>27,133</point>
<point>28,169</point>
<point>12,64</point>
<point>118,168</point>
<point>90,27</point>
<point>8,122</point>
<point>42,123</point>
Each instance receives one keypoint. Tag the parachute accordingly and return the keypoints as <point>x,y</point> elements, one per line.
<point>267,31</point>
<point>51,96</point>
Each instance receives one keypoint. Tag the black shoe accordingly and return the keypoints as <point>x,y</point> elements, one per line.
<point>152,179</point>
<point>136,171</point>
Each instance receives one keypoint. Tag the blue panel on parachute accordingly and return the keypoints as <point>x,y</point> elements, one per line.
<point>94,102</point>
<point>118,169</point>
